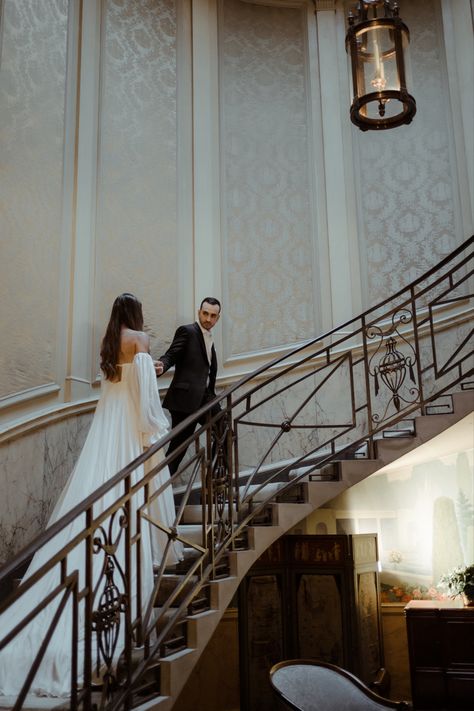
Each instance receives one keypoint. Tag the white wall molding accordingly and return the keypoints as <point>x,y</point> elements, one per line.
<point>457,20</point>
<point>340,206</point>
<point>31,394</point>
<point>81,360</point>
<point>321,259</point>
<point>207,243</point>
<point>185,222</point>
<point>69,191</point>
<point>28,424</point>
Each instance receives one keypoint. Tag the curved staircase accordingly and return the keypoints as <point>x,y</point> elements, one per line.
<point>289,437</point>
<point>177,667</point>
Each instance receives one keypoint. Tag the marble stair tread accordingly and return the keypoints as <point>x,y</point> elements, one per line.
<point>262,493</point>
<point>191,532</point>
<point>192,514</point>
<point>169,585</point>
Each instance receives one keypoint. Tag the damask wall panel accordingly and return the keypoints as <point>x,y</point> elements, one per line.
<point>32,99</point>
<point>267,230</point>
<point>136,212</point>
<point>409,195</point>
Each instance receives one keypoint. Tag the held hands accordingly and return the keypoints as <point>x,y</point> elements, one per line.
<point>158,365</point>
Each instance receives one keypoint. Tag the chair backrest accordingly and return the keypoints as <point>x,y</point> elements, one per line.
<point>309,685</point>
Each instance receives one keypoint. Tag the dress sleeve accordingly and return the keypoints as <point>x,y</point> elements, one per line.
<point>151,418</point>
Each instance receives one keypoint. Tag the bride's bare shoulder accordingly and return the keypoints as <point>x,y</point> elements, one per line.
<point>132,342</point>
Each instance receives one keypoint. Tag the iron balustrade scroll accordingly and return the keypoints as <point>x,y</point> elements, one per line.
<point>329,399</point>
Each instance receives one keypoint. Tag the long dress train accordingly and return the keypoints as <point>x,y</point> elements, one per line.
<point>128,417</point>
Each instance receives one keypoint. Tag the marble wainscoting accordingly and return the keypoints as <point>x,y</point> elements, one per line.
<point>33,470</point>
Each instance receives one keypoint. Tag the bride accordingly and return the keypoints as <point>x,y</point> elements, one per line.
<point>128,418</point>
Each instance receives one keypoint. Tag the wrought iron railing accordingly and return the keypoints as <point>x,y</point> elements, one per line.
<point>329,399</point>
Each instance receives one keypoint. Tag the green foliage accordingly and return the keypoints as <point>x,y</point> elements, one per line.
<point>459,580</point>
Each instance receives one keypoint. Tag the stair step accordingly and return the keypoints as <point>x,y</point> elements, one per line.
<point>191,555</point>
<point>149,689</point>
<point>202,602</point>
<point>191,533</point>
<point>222,569</point>
<point>150,683</point>
<point>265,492</point>
<point>241,542</point>
<point>169,584</point>
<point>173,644</point>
<point>264,518</point>
<point>192,514</point>
<point>176,639</point>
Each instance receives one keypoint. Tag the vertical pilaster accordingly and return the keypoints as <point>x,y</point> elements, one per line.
<point>184,130</point>
<point>81,361</point>
<point>344,273</point>
<point>207,248</point>
<point>459,46</point>
<point>65,296</point>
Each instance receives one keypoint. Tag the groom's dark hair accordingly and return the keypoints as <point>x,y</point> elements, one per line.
<point>211,300</point>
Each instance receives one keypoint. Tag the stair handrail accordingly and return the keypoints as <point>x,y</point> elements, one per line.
<point>214,465</point>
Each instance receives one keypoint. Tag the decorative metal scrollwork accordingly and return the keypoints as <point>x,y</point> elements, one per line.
<point>106,618</point>
<point>221,477</point>
<point>392,368</point>
<point>112,601</point>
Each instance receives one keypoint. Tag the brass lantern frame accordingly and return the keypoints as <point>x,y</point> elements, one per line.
<point>360,25</point>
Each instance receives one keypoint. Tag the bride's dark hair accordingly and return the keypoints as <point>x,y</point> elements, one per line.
<point>126,311</point>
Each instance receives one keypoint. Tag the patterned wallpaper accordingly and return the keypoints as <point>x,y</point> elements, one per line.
<point>32,97</point>
<point>136,213</point>
<point>407,199</point>
<point>267,229</point>
<point>407,176</point>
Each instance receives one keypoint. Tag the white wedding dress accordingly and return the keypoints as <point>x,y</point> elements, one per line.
<point>128,417</point>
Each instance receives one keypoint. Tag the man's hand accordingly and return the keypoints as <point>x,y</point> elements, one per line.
<point>158,367</point>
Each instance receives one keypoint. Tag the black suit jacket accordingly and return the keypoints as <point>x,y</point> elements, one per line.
<point>188,390</point>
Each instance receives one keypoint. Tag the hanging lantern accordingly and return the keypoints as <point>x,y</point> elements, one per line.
<point>377,40</point>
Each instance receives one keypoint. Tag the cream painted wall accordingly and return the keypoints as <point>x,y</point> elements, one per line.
<point>178,149</point>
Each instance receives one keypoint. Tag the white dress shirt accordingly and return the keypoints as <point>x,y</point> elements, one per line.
<point>208,341</point>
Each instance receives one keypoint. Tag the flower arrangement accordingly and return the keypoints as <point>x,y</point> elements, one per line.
<point>459,581</point>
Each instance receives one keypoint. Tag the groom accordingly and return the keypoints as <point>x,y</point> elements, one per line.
<point>194,357</point>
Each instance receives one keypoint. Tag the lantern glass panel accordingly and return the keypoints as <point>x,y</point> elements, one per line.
<point>378,60</point>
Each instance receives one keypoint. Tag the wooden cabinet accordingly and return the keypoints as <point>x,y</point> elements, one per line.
<point>313,597</point>
<point>441,652</point>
